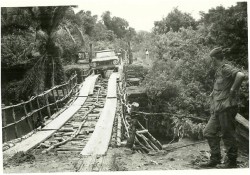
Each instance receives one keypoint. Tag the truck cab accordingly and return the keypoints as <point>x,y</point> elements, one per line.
<point>105,60</point>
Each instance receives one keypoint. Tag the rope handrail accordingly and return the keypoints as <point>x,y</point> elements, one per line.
<point>40,95</point>
<point>37,110</point>
<point>36,105</point>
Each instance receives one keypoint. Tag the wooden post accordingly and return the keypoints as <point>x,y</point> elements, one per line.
<point>132,134</point>
<point>14,118</point>
<point>70,84</point>
<point>75,82</point>
<point>76,77</point>
<point>154,140</point>
<point>26,113</point>
<point>31,109</point>
<point>119,125</point>
<point>82,75</point>
<point>47,104</point>
<point>146,121</point>
<point>39,112</point>
<point>63,90</point>
<point>55,99</point>
<point>67,89</point>
<point>4,124</point>
<point>57,93</point>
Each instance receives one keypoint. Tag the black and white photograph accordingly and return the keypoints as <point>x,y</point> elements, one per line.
<point>124,86</point>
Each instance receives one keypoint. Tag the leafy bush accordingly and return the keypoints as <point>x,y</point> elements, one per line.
<point>181,79</point>
<point>16,49</point>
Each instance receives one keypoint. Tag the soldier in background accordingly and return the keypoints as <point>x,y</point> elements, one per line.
<point>147,54</point>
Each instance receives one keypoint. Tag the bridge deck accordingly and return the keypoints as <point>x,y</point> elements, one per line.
<point>99,141</point>
<point>55,124</point>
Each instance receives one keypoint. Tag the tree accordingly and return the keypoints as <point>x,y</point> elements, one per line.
<point>228,28</point>
<point>174,21</point>
<point>87,21</point>
<point>44,22</point>
<point>100,32</point>
<point>116,24</point>
<point>130,34</point>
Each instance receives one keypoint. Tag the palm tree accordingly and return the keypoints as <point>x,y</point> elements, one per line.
<point>48,69</point>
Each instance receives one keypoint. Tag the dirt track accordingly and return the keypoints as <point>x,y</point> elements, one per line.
<point>122,159</point>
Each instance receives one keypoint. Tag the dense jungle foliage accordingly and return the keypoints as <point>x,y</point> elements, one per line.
<point>41,40</point>
<point>181,76</point>
<point>36,43</point>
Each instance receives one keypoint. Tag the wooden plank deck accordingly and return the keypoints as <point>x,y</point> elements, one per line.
<point>92,85</point>
<point>55,124</point>
<point>111,93</point>
<point>99,141</point>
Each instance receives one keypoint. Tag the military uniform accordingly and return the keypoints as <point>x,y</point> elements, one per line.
<point>223,111</point>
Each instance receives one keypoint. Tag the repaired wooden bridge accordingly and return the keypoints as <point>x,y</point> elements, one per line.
<point>80,108</point>
<point>85,127</point>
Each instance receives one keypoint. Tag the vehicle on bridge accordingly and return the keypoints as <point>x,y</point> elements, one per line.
<point>105,60</point>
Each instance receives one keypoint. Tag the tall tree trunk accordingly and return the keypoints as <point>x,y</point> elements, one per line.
<point>81,36</point>
<point>70,34</point>
<point>54,69</point>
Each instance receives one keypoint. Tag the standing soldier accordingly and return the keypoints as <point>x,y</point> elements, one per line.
<point>223,111</point>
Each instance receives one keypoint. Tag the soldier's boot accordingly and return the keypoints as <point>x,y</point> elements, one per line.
<point>215,159</point>
<point>231,152</point>
<point>230,164</point>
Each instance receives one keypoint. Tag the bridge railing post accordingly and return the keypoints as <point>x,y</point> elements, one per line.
<point>4,124</point>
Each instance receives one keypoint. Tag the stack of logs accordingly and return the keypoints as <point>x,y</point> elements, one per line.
<point>140,139</point>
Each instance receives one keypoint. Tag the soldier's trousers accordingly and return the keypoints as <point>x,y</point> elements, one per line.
<point>222,125</point>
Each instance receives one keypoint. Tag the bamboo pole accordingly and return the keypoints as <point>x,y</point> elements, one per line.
<point>27,119</point>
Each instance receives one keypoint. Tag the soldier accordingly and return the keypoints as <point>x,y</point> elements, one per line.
<point>223,111</point>
<point>147,54</point>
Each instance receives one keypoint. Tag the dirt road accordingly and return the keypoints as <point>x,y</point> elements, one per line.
<point>120,159</point>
